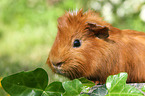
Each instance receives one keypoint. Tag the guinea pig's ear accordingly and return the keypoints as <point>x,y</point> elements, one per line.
<point>99,31</point>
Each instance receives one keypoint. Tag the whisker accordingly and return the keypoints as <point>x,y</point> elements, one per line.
<point>77,73</point>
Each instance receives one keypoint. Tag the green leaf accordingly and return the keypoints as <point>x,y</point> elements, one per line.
<point>87,82</point>
<point>54,89</point>
<point>143,88</point>
<point>50,94</point>
<point>114,81</point>
<point>72,88</point>
<point>84,95</point>
<point>26,83</point>
<point>116,85</point>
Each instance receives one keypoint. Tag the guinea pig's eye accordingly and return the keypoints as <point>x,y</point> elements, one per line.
<point>76,43</point>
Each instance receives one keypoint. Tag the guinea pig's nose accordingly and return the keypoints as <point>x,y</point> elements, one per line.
<point>57,64</point>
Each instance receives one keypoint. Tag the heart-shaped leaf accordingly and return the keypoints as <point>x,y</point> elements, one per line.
<point>72,88</point>
<point>116,85</point>
<point>26,83</point>
<point>87,82</point>
<point>54,89</point>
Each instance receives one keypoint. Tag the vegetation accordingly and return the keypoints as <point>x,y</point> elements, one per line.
<point>35,83</point>
<point>28,28</point>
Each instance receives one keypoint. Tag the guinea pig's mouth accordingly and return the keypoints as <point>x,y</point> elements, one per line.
<point>61,72</point>
<point>66,74</point>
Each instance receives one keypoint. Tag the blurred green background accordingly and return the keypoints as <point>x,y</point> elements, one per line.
<point>28,28</point>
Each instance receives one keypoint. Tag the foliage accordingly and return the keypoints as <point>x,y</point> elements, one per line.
<point>35,83</point>
<point>143,88</point>
<point>26,83</point>
<point>116,85</point>
<point>72,87</point>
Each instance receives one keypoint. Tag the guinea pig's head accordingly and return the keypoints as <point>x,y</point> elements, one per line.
<point>75,49</point>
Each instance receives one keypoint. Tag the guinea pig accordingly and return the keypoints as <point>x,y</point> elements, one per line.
<point>86,46</point>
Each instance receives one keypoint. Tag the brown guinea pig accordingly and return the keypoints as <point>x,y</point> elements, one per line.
<point>87,46</point>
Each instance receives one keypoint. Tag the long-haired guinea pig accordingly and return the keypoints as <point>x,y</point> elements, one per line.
<point>86,46</point>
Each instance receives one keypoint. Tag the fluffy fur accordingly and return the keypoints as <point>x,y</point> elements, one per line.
<point>97,57</point>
